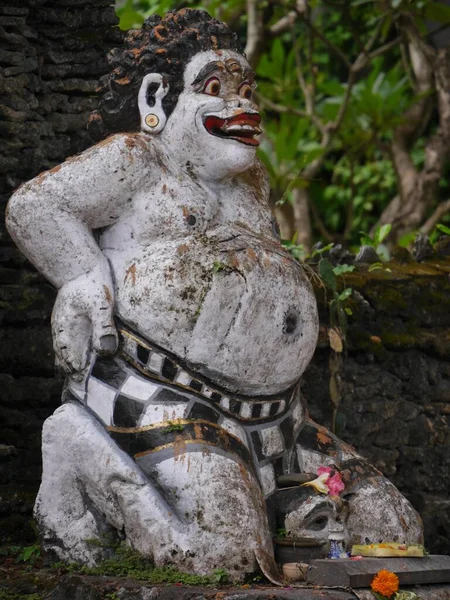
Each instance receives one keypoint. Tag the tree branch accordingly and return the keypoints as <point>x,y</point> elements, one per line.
<point>326,41</point>
<point>255,32</point>
<point>320,224</point>
<point>284,24</point>
<point>280,108</point>
<point>433,220</point>
<point>308,91</point>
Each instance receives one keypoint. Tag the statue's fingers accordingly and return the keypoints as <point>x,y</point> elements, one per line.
<point>104,334</point>
<point>71,338</point>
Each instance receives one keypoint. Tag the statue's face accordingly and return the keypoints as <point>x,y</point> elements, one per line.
<point>216,120</point>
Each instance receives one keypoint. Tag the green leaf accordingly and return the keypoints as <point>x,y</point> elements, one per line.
<point>348,311</point>
<point>382,232</point>
<point>386,27</point>
<point>317,251</point>
<point>341,269</point>
<point>407,238</point>
<point>438,11</point>
<point>365,239</point>
<point>376,266</point>
<point>129,18</point>
<point>327,274</point>
<point>443,228</point>
<point>345,294</point>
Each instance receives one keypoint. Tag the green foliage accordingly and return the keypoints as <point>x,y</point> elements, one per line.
<point>219,266</point>
<point>29,554</point>
<point>329,275</point>
<point>376,241</point>
<point>173,427</point>
<point>438,231</point>
<point>127,563</point>
<point>221,576</point>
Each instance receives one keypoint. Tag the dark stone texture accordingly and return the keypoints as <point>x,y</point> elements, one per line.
<point>44,46</point>
<point>51,586</point>
<point>393,398</point>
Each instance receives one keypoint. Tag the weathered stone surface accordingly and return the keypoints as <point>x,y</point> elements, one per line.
<point>360,573</point>
<point>411,373</point>
<point>76,587</point>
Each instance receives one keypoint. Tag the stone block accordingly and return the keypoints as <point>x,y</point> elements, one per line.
<point>360,573</point>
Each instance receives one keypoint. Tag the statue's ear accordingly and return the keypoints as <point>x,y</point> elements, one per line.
<point>151,93</point>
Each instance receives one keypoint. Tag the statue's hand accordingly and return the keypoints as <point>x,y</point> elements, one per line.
<point>83,319</point>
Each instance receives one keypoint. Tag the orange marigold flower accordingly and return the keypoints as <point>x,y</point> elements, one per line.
<point>385,583</point>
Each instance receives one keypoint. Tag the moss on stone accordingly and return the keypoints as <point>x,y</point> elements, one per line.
<point>10,595</point>
<point>127,563</point>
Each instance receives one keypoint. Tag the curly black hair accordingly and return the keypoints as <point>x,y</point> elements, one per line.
<point>163,45</point>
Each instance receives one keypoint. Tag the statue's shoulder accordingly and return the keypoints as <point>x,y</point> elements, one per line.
<point>122,157</point>
<point>131,145</point>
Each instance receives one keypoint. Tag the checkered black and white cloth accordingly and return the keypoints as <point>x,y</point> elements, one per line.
<point>145,397</point>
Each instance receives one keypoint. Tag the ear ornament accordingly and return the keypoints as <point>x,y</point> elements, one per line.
<point>154,121</point>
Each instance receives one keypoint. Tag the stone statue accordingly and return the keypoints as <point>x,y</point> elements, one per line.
<point>183,327</point>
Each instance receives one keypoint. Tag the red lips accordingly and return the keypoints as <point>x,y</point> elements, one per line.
<point>242,127</point>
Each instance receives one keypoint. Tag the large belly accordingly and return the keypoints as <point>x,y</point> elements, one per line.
<point>234,307</point>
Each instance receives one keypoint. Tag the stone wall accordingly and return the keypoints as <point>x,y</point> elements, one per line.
<point>388,394</point>
<point>52,54</point>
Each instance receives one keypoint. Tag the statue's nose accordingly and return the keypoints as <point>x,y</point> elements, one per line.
<point>242,105</point>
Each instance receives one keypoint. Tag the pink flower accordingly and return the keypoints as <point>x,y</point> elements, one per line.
<point>322,470</point>
<point>335,485</point>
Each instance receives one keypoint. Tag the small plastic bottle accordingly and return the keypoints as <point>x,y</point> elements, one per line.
<point>336,539</point>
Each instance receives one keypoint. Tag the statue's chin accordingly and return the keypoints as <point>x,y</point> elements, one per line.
<point>230,157</point>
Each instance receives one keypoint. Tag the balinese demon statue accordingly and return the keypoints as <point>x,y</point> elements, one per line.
<point>183,326</point>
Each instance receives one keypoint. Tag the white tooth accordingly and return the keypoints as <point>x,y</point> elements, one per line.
<point>238,128</point>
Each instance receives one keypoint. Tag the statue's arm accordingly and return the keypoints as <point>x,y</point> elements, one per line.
<point>52,219</point>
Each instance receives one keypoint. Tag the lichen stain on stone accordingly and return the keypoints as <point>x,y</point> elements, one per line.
<point>131,272</point>
<point>267,262</point>
<point>106,141</point>
<point>224,438</point>
<point>252,254</point>
<point>108,294</point>
<point>323,438</point>
<point>182,249</point>
<point>132,140</point>
<point>179,447</point>
<point>122,81</point>
<point>198,431</point>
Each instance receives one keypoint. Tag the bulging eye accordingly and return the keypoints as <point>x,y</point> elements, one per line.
<point>245,91</point>
<point>212,86</point>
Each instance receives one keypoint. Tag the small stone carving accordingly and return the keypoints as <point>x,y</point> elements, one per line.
<point>184,328</point>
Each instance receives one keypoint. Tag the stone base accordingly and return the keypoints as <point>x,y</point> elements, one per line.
<point>99,588</point>
<point>81,587</point>
<point>434,569</point>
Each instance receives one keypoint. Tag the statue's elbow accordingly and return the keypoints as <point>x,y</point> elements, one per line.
<point>17,214</point>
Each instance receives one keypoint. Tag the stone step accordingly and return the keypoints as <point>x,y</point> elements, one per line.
<point>359,573</point>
